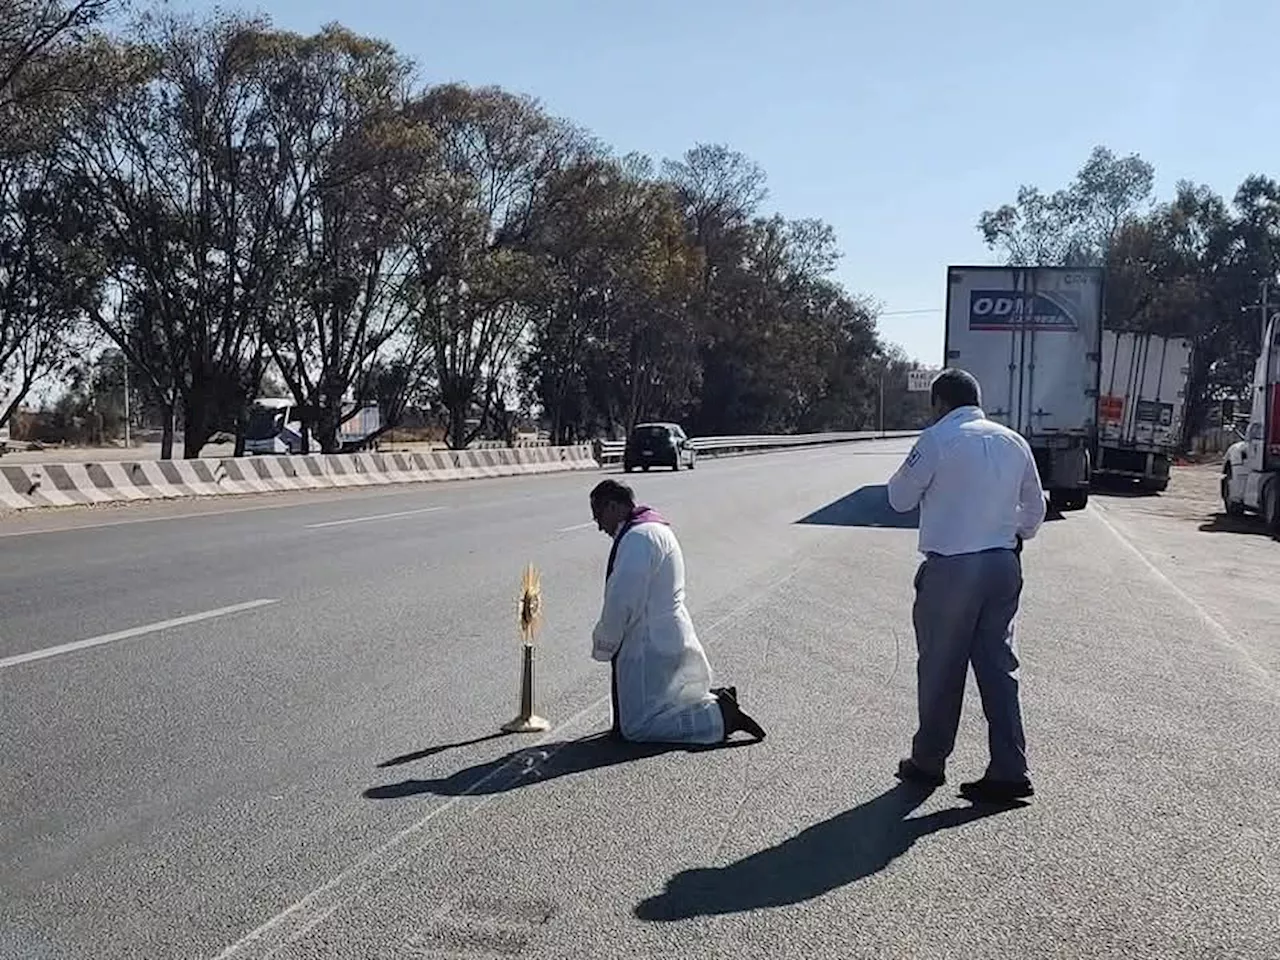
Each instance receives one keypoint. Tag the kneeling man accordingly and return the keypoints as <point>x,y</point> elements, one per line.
<point>661,678</point>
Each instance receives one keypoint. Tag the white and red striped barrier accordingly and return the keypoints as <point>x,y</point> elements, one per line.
<point>70,484</point>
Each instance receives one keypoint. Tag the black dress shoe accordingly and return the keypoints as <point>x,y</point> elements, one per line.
<point>988,790</point>
<point>734,717</point>
<point>910,772</point>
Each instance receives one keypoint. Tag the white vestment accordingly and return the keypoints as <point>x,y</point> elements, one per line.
<point>664,678</point>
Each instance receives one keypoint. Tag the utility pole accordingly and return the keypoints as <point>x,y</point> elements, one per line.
<point>128,444</point>
<point>1264,306</point>
<point>883,370</point>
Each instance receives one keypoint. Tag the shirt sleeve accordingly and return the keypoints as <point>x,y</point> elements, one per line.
<point>1031,506</point>
<point>908,485</point>
<point>624,594</point>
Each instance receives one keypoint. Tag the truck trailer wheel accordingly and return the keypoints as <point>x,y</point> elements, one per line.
<point>1061,501</point>
<point>1232,508</point>
<point>1271,507</point>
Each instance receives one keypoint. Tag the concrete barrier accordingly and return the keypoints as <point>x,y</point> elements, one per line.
<point>71,484</point>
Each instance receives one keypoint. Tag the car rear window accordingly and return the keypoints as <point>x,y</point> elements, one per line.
<point>651,433</point>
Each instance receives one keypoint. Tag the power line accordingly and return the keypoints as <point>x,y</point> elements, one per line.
<point>903,313</point>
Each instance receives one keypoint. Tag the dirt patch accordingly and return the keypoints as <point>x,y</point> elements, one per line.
<point>1228,565</point>
<point>1193,494</point>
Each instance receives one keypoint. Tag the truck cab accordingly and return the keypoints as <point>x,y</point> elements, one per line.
<point>1251,467</point>
<point>275,427</point>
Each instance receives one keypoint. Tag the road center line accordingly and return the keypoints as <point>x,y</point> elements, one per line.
<point>379,516</point>
<point>130,633</point>
<point>577,526</point>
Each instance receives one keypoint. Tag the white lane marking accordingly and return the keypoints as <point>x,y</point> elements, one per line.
<point>1215,626</point>
<point>122,523</point>
<point>296,921</point>
<point>272,500</point>
<point>197,514</point>
<point>577,526</point>
<point>130,633</point>
<point>380,516</point>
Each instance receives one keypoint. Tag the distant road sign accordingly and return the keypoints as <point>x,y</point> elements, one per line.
<point>919,381</point>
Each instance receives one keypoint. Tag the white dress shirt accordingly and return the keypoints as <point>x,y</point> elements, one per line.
<point>975,482</point>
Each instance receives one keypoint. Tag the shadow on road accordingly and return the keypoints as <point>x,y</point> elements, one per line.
<point>865,507</point>
<point>520,768</point>
<point>1225,523</point>
<point>1121,488</point>
<point>440,748</point>
<point>849,847</point>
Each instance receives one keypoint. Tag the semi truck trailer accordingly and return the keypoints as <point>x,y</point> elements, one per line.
<point>1142,405</point>
<point>1033,338</point>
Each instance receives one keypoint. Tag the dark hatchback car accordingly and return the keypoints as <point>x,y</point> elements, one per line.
<point>658,445</point>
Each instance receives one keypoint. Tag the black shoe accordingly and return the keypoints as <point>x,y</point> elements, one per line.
<point>988,790</point>
<point>910,772</point>
<point>734,717</point>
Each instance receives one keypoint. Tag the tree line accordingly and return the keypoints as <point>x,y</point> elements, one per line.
<point>222,201</point>
<point>1190,266</point>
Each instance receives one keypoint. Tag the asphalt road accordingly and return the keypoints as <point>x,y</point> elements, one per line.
<point>316,776</point>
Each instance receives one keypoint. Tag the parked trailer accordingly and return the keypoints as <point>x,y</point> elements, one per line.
<point>1032,336</point>
<point>1141,407</point>
<point>361,423</point>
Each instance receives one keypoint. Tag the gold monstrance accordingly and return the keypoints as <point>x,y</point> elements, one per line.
<point>530,604</point>
<point>530,618</point>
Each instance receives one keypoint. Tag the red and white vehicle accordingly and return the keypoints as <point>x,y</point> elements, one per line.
<point>1251,469</point>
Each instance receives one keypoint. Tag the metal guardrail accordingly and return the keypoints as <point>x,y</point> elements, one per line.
<point>610,451</point>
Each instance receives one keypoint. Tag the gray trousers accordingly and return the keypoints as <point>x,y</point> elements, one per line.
<point>963,615</point>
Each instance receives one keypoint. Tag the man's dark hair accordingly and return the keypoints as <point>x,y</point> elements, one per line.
<point>611,491</point>
<point>956,388</point>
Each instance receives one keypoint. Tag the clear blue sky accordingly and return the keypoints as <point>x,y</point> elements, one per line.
<point>897,121</point>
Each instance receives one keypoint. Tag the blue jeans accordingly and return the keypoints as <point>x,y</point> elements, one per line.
<point>963,614</point>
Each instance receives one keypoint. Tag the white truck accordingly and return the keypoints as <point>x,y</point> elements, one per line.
<point>1251,468</point>
<point>1142,403</point>
<point>275,426</point>
<point>1033,338</point>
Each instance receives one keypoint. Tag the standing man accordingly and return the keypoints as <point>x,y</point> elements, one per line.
<point>661,678</point>
<point>978,490</point>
